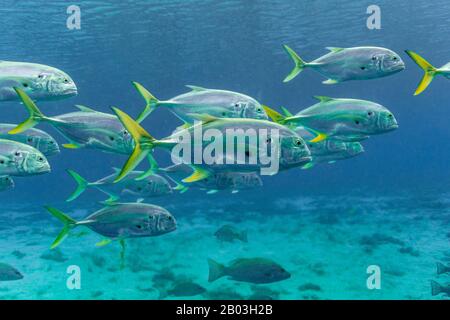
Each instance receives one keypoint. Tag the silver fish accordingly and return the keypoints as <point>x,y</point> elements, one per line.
<point>217,103</point>
<point>120,221</point>
<point>36,138</point>
<point>19,159</point>
<point>341,119</point>
<point>86,128</point>
<point>153,185</point>
<point>233,181</point>
<point>292,148</point>
<point>344,64</point>
<point>39,81</point>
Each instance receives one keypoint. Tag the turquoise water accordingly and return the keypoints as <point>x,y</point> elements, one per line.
<point>388,207</point>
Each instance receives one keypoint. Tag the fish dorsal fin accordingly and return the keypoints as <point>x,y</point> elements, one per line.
<point>335,49</point>
<point>286,112</point>
<point>203,117</point>
<point>196,88</point>
<point>84,108</point>
<point>323,98</point>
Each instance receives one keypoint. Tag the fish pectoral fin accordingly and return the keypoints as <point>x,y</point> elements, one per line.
<point>103,242</point>
<point>330,81</point>
<point>309,165</point>
<point>71,146</point>
<point>197,175</point>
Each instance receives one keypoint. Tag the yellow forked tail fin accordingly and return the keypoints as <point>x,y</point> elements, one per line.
<point>143,140</point>
<point>150,100</point>
<point>35,114</point>
<point>429,70</point>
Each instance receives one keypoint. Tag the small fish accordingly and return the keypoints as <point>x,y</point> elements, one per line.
<point>233,181</point>
<point>217,103</point>
<point>36,138</point>
<point>429,70</point>
<point>228,233</point>
<point>86,128</point>
<point>437,288</point>
<point>152,185</point>
<point>118,222</point>
<point>6,182</point>
<point>344,64</point>
<point>290,143</point>
<point>9,273</point>
<point>340,119</point>
<point>39,81</point>
<point>441,268</point>
<point>255,270</point>
<point>183,289</point>
<point>19,159</point>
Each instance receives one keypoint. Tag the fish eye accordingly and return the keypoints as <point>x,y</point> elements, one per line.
<point>390,115</point>
<point>356,121</point>
<point>125,133</point>
<point>40,76</point>
<point>2,161</point>
<point>170,218</point>
<point>66,81</point>
<point>370,113</point>
<point>363,68</point>
<point>269,140</point>
<point>374,58</point>
<point>30,139</point>
<point>111,138</point>
<point>394,58</point>
<point>25,85</point>
<point>17,153</point>
<point>259,110</point>
<point>298,142</point>
<point>51,142</point>
<point>40,159</point>
<point>139,226</point>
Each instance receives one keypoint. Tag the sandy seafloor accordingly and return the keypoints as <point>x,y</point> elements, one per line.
<point>325,242</point>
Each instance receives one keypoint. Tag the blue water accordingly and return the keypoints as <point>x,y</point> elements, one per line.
<point>388,207</point>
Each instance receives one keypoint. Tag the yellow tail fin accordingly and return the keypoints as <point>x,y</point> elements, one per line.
<point>429,70</point>
<point>150,100</point>
<point>143,140</point>
<point>35,114</point>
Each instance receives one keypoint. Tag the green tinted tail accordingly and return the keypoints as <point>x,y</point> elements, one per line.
<point>216,270</point>
<point>82,184</point>
<point>35,114</point>
<point>299,64</point>
<point>68,222</point>
<point>150,100</point>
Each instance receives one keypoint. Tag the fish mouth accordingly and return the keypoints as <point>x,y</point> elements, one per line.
<point>71,92</point>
